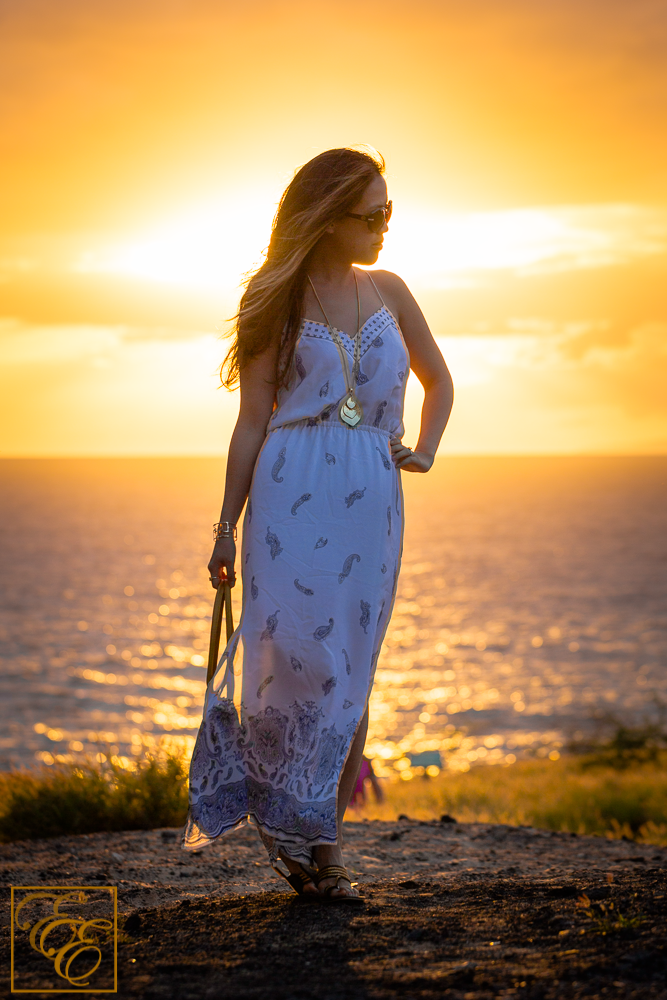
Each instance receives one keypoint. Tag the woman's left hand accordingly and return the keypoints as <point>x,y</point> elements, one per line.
<point>407,460</point>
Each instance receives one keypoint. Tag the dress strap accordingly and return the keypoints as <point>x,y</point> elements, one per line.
<point>376,289</point>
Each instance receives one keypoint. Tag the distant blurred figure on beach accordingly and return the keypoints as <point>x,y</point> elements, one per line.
<point>358,799</point>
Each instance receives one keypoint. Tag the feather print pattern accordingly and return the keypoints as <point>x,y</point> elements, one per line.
<point>277,466</point>
<point>304,498</point>
<point>323,631</point>
<point>300,680</point>
<point>379,413</point>
<point>271,626</point>
<point>298,364</point>
<point>401,376</point>
<point>264,684</point>
<point>355,495</point>
<point>347,566</point>
<point>385,460</point>
<point>274,543</point>
<point>398,513</point>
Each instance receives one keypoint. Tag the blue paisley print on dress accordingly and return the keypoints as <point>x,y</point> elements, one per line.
<point>347,566</point>
<point>292,684</point>
<point>385,460</point>
<point>323,631</point>
<point>273,542</point>
<point>304,498</point>
<point>271,626</point>
<point>354,496</point>
<point>277,466</point>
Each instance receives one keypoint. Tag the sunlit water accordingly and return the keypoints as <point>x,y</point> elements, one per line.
<point>533,596</point>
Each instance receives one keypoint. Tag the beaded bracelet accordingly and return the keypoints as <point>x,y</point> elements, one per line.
<point>224,529</point>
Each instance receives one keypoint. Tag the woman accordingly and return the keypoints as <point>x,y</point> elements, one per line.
<point>322,352</point>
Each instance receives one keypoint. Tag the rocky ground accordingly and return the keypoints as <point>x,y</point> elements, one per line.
<point>468,911</point>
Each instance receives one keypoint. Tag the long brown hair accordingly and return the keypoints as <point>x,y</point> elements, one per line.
<point>323,190</point>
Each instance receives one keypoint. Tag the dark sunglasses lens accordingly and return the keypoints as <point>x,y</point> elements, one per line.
<point>377,220</point>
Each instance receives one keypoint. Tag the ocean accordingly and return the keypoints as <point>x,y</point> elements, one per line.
<point>531,609</point>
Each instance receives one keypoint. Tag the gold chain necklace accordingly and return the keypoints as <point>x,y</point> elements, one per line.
<point>350,411</point>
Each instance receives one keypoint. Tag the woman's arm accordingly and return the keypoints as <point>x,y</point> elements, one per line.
<point>257,397</point>
<point>429,366</point>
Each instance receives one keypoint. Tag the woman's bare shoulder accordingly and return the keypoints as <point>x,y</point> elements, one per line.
<point>392,288</point>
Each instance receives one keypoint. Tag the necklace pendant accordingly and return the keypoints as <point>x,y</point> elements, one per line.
<point>350,411</point>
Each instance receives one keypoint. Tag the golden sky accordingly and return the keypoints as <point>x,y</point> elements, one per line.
<point>144,145</point>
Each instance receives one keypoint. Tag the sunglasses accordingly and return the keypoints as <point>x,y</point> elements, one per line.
<point>376,220</point>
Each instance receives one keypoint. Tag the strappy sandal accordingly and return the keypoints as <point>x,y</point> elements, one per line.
<point>337,872</point>
<point>298,881</point>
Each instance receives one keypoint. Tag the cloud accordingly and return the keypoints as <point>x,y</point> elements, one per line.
<point>557,389</point>
<point>535,386</point>
<point>586,262</point>
<point>86,390</point>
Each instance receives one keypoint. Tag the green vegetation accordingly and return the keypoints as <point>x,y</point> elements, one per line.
<point>87,797</point>
<point>575,794</point>
<point>571,794</point>
<point>606,919</point>
<point>626,746</point>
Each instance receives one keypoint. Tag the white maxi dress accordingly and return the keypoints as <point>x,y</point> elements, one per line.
<point>320,555</point>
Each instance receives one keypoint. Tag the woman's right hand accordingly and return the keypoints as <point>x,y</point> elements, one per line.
<point>221,563</point>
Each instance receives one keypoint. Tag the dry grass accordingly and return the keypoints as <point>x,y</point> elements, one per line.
<point>569,794</point>
<point>88,797</point>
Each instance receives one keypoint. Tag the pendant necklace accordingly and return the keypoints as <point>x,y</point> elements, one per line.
<point>350,410</point>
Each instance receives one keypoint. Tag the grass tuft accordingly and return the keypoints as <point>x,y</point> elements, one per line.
<point>89,797</point>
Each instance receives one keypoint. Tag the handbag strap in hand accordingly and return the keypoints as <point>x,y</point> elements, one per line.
<point>223,600</point>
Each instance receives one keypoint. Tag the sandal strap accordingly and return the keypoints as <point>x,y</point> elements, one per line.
<point>332,871</point>
<point>303,876</point>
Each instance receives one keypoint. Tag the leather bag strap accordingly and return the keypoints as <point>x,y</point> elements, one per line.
<point>223,604</point>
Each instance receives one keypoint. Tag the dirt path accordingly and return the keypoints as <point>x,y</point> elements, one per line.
<point>468,911</point>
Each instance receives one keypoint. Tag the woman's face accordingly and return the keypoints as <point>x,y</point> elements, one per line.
<point>352,237</point>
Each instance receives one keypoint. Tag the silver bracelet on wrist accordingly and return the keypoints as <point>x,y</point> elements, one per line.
<point>224,529</point>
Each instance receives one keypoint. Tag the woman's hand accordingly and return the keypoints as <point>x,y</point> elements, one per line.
<point>221,563</point>
<point>407,460</point>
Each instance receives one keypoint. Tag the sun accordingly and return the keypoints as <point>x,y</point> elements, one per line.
<point>215,244</point>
